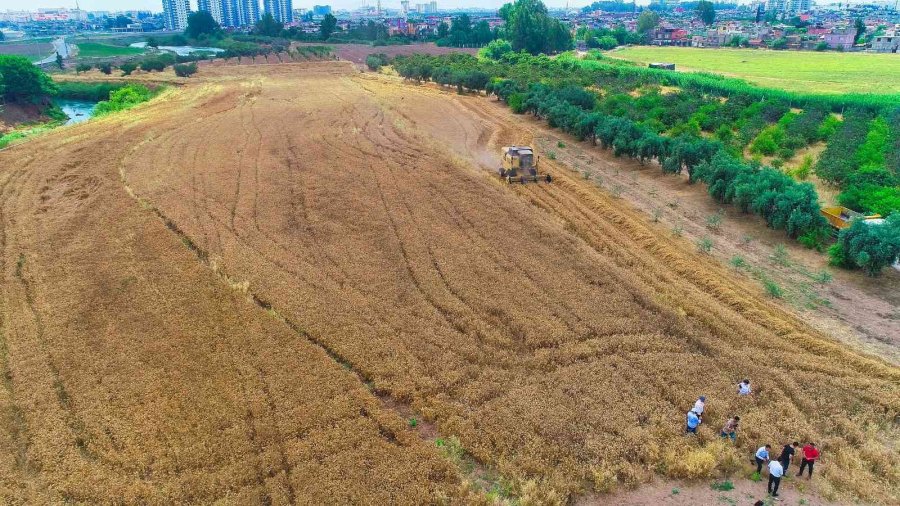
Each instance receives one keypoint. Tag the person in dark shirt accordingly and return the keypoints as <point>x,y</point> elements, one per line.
<point>787,455</point>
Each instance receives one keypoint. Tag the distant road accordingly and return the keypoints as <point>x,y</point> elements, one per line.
<point>60,47</point>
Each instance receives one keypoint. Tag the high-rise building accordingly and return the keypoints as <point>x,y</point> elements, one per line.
<point>216,8</point>
<point>176,13</point>
<point>800,5</point>
<point>250,12</point>
<point>240,12</point>
<point>791,6</point>
<point>281,10</point>
<point>321,10</point>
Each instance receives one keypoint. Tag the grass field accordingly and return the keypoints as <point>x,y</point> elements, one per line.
<point>95,50</point>
<point>827,72</point>
<point>34,51</point>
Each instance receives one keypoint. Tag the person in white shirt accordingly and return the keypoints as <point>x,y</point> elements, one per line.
<point>762,456</point>
<point>775,474</point>
<point>698,407</point>
<point>744,388</point>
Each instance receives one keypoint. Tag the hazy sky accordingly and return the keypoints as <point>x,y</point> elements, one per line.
<point>156,5</point>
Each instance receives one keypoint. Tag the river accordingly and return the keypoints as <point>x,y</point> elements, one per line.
<point>77,110</point>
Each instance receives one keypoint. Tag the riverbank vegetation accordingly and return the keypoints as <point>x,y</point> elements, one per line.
<point>725,133</point>
<point>125,98</point>
<point>23,83</point>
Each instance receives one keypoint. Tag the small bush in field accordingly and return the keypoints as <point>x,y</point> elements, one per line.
<point>780,255</point>
<point>722,486</point>
<point>714,221</point>
<point>185,69</point>
<point>773,289</point>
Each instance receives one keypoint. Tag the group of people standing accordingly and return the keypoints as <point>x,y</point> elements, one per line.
<point>777,467</point>
<point>729,430</point>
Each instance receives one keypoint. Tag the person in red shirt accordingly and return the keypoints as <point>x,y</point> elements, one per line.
<point>810,456</point>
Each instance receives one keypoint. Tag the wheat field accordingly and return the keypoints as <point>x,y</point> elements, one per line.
<point>225,294</point>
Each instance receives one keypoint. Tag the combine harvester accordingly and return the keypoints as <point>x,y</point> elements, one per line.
<point>520,166</point>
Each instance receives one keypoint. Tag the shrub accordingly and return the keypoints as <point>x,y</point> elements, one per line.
<point>495,50</point>
<point>123,98</point>
<point>714,221</point>
<point>105,68</point>
<point>803,171</point>
<point>869,198</point>
<point>704,244</point>
<point>772,288</point>
<point>127,68</point>
<point>780,255</point>
<point>185,69</point>
<point>823,277</point>
<point>516,103</point>
<point>153,64</point>
<point>376,61</point>
<point>93,91</point>
<point>82,67</point>
<point>815,238</point>
<point>869,247</point>
<point>722,486</point>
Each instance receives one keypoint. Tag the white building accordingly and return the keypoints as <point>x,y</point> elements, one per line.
<point>216,9</point>
<point>887,43</point>
<point>176,13</point>
<point>237,13</point>
<point>792,6</point>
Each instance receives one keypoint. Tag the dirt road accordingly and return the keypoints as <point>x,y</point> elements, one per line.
<point>208,295</point>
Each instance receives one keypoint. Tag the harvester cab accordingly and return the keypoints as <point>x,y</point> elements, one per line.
<point>520,166</point>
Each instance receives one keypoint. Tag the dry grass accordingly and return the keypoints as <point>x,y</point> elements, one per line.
<point>558,335</point>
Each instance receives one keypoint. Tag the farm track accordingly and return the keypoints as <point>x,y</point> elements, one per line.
<point>549,328</point>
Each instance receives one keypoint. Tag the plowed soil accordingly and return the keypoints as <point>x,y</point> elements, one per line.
<point>205,297</point>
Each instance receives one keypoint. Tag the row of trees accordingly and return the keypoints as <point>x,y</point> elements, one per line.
<point>462,33</point>
<point>691,129</point>
<point>782,202</point>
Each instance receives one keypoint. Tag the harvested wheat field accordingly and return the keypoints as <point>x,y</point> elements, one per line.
<point>234,292</point>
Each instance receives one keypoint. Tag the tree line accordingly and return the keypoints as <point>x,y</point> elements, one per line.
<point>701,128</point>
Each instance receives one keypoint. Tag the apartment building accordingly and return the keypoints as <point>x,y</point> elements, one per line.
<point>281,10</point>
<point>176,13</point>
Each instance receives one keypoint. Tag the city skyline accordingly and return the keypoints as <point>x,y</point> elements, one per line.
<point>156,5</point>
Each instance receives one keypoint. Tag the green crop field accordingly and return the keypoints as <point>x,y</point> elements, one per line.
<point>95,50</point>
<point>826,72</point>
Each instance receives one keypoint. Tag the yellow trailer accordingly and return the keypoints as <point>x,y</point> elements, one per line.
<point>840,217</point>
